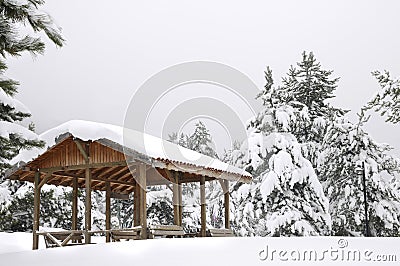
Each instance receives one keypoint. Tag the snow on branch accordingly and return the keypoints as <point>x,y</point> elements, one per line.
<point>8,128</point>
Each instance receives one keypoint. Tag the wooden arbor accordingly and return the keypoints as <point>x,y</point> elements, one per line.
<point>110,167</point>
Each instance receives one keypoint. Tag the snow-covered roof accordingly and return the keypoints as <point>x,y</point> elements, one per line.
<point>156,151</point>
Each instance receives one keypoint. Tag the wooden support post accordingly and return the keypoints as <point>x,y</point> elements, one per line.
<point>136,205</point>
<point>226,205</point>
<point>88,190</point>
<point>74,205</point>
<point>108,211</point>
<point>88,205</point>
<point>203,205</point>
<point>180,204</point>
<point>143,207</point>
<point>175,197</point>
<point>36,210</point>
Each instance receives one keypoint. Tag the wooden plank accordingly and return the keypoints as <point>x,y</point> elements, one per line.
<point>117,173</point>
<point>81,150</point>
<point>166,230</point>
<point>126,176</point>
<point>136,206</point>
<point>44,180</point>
<point>117,235</point>
<point>203,206</point>
<point>82,166</point>
<point>223,231</point>
<point>108,211</point>
<point>70,175</point>
<point>36,210</point>
<point>24,175</point>
<point>66,182</point>
<point>108,172</point>
<point>167,233</point>
<point>175,196</point>
<point>104,172</point>
<point>88,206</point>
<point>180,204</point>
<point>166,227</point>
<point>75,204</point>
<point>226,205</point>
<point>76,232</point>
<point>143,207</point>
<point>53,239</point>
<point>135,228</point>
<point>67,239</point>
<point>220,232</point>
<point>120,196</point>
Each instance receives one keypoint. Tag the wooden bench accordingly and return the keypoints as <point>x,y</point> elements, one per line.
<point>125,234</point>
<point>168,231</point>
<point>62,239</point>
<point>220,232</point>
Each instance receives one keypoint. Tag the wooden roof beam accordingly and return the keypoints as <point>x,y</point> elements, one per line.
<point>126,176</point>
<point>95,179</point>
<point>118,172</point>
<point>82,166</point>
<point>107,172</point>
<point>82,150</point>
<point>22,177</point>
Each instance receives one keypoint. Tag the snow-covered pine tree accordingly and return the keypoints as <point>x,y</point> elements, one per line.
<point>386,101</point>
<point>13,136</point>
<point>201,141</point>
<point>182,140</point>
<point>160,206</point>
<point>286,197</point>
<point>16,213</point>
<point>15,15</point>
<point>347,145</point>
<point>300,104</point>
<point>312,86</point>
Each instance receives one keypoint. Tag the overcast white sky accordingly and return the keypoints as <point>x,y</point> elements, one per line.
<point>114,46</point>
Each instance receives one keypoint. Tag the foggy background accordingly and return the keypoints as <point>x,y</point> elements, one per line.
<point>114,46</point>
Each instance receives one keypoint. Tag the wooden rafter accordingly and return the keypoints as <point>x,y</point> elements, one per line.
<point>82,150</point>
<point>106,172</point>
<point>82,166</point>
<point>123,169</point>
<point>94,179</point>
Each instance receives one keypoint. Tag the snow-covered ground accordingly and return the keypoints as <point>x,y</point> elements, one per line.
<point>15,250</point>
<point>19,241</point>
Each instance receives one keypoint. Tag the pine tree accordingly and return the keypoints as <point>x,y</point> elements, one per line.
<point>300,105</point>
<point>301,102</point>
<point>201,141</point>
<point>13,16</point>
<point>160,206</point>
<point>16,213</point>
<point>310,85</point>
<point>386,101</point>
<point>346,147</point>
<point>286,197</point>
